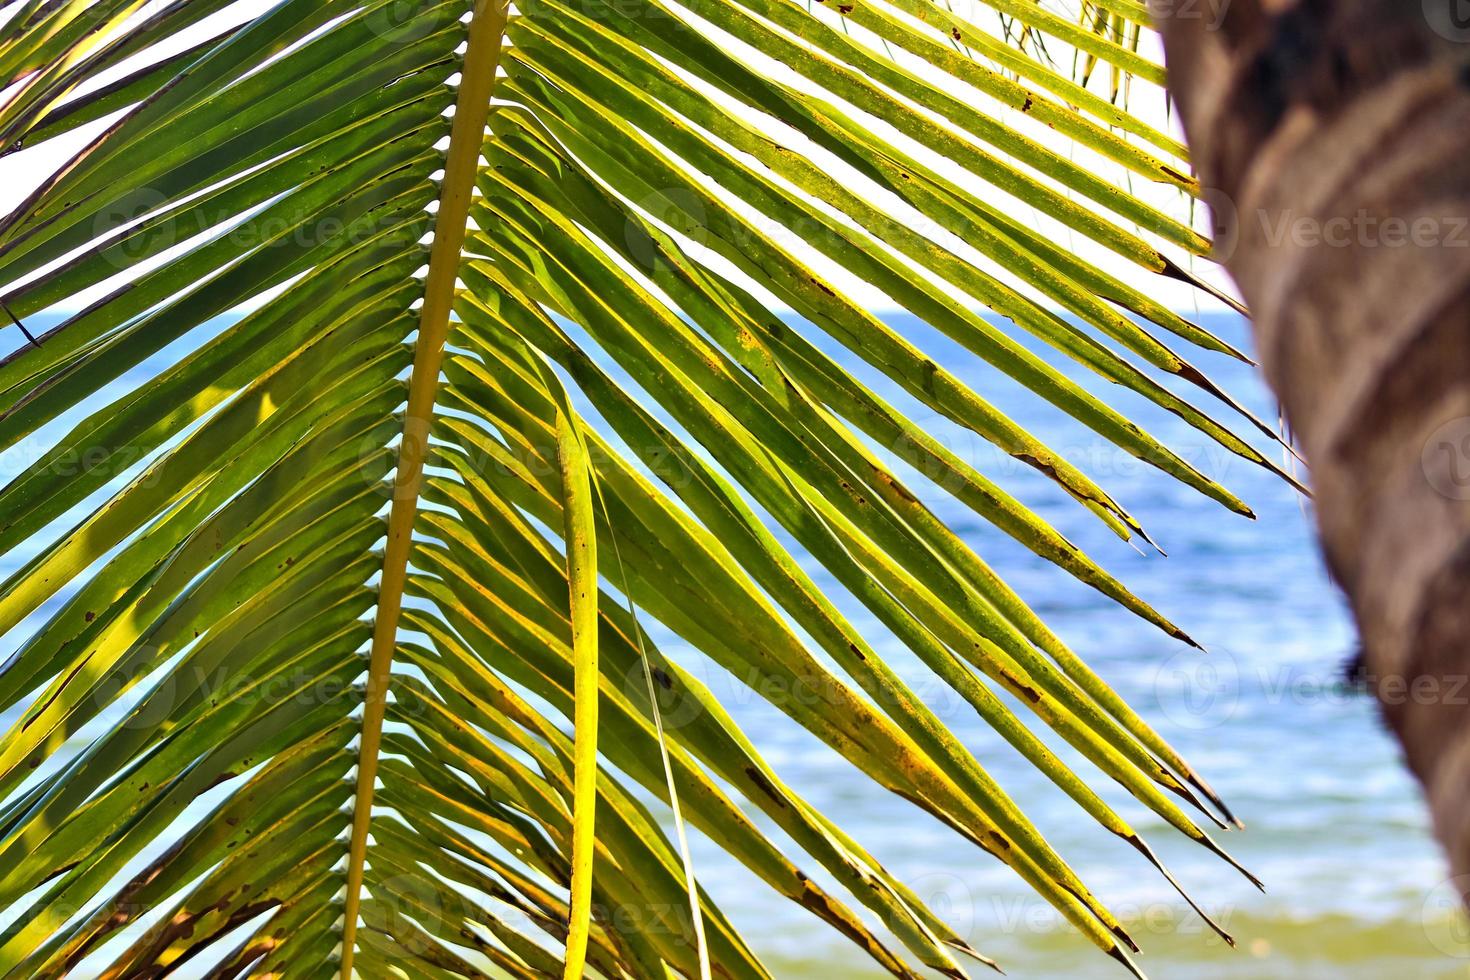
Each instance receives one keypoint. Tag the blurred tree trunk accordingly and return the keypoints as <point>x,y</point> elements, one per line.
<point>1335,135</point>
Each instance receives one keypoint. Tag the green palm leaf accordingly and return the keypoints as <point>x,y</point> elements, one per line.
<point>257,727</point>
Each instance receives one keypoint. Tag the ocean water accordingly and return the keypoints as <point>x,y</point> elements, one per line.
<point>1334,826</point>
<point>1335,829</point>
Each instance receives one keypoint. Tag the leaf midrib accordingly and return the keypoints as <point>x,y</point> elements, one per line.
<point>471,114</point>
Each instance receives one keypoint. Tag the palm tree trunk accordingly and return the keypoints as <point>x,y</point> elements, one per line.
<point>1335,135</point>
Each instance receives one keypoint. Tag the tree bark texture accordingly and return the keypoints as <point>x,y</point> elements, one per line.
<point>1334,136</point>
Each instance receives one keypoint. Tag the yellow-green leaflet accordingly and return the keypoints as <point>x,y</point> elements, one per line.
<point>443,417</point>
<point>580,535</point>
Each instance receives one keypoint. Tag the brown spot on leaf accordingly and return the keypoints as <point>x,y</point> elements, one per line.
<point>764,784</point>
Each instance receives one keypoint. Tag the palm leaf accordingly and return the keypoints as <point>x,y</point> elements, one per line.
<point>253,726</point>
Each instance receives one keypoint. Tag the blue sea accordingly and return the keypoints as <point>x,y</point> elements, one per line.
<point>1335,828</point>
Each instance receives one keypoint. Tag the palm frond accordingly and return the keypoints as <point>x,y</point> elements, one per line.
<point>325,616</point>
